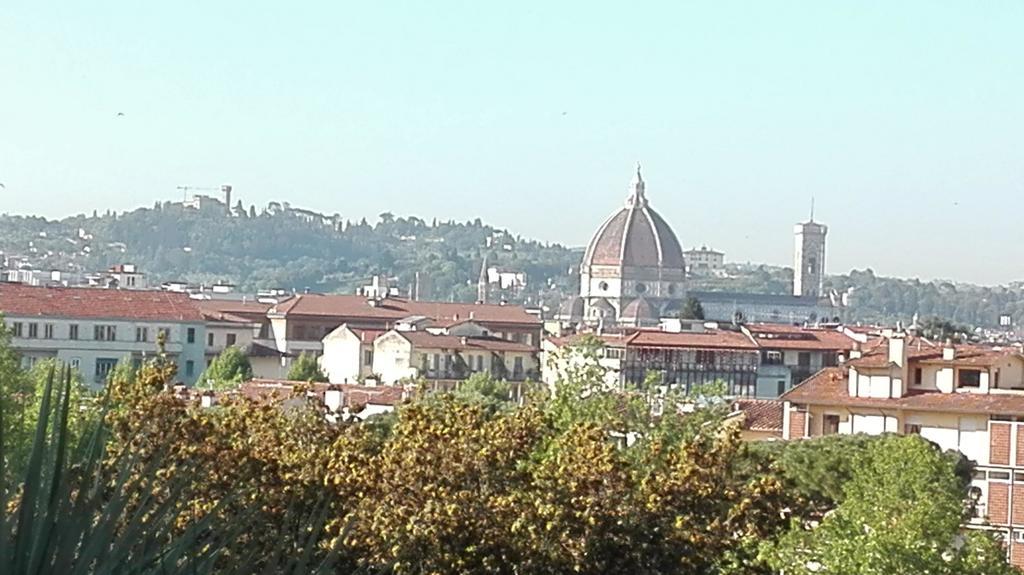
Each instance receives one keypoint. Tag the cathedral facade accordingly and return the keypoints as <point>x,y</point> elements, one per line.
<point>633,274</point>
<point>633,271</point>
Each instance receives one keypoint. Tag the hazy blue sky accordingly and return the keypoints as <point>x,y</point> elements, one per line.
<point>904,119</point>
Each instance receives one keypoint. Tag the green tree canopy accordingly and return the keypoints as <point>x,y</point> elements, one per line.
<point>228,370</point>
<point>305,368</point>
<point>900,514</point>
<point>691,309</point>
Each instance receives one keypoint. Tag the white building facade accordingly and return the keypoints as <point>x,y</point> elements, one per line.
<point>92,330</point>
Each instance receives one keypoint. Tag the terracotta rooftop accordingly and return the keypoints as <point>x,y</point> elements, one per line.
<point>717,339</point>
<point>829,387</point>
<point>800,338</point>
<point>392,309</point>
<point>609,340</point>
<point>919,349</point>
<point>760,414</point>
<point>233,310</point>
<point>93,303</point>
<point>352,395</point>
<point>428,340</point>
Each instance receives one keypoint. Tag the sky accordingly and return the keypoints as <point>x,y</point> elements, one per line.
<point>904,120</point>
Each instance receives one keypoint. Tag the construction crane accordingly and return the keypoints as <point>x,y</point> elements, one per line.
<point>225,189</point>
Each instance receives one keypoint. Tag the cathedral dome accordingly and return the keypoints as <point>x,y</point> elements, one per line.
<point>635,236</point>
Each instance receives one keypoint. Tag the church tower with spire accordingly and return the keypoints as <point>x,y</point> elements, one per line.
<point>482,282</point>
<point>809,257</point>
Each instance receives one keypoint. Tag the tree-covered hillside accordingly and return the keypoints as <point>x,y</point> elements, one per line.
<point>297,250</point>
<point>283,249</point>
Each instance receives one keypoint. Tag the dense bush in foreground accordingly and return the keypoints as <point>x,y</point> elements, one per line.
<point>466,483</point>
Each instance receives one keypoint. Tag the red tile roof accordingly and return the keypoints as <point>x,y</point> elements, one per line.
<point>425,339</point>
<point>760,414</point>
<point>829,387</point>
<point>919,349</point>
<point>609,340</point>
<point>95,303</point>
<point>800,338</point>
<point>717,339</point>
<point>352,395</point>
<point>222,310</point>
<point>391,309</point>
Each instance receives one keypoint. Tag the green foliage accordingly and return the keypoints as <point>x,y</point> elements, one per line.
<point>280,250</point>
<point>900,514</point>
<point>691,309</point>
<point>75,515</point>
<point>485,390</point>
<point>305,368</point>
<point>589,479</point>
<point>939,329</point>
<point>228,370</point>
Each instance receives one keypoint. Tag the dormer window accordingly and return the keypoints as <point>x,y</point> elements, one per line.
<point>969,378</point>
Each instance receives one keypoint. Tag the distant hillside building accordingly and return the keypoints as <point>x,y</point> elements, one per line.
<point>704,262</point>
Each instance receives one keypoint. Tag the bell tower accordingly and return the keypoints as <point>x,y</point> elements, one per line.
<point>809,257</point>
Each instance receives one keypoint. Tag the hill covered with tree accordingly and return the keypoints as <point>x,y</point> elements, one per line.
<point>290,249</point>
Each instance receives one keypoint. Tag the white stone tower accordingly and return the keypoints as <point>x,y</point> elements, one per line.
<point>809,257</point>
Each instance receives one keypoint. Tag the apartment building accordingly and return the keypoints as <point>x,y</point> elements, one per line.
<point>300,323</point>
<point>963,397</point>
<point>435,354</point>
<point>759,360</point>
<point>93,329</point>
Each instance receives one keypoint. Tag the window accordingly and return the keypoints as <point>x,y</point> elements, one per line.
<point>641,288</point>
<point>231,338</point>
<point>517,366</point>
<point>164,332</point>
<point>75,363</point>
<point>772,357</point>
<point>73,331</point>
<point>16,329</point>
<point>603,286</point>
<point>190,368</point>
<point>209,340</point>
<point>104,332</point>
<point>191,335</point>
<point>912,429</point>
<point>479,363</point>
<point>705,356</point>
<point>803,359</point>
<point>33,330</point>
<point>830,424</point>
<point>918,376</point>
<point>995,376</point>
<point>48,331</point>
<point>998,475</point>
<point>142,334</point>
<point>969,378</point>
<point>614,352</point>
<point>368,357</point>
<point>780,387</point>
<point>104,365</point>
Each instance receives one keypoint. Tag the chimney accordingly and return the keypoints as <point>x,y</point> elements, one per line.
<point>898,349</point>
<point>333,398</point>
<point>855,353</point>
<point>948,351</point>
